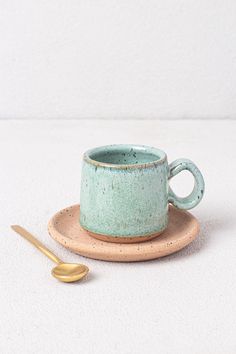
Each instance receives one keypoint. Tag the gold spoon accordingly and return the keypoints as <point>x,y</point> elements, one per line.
<point>65,272</point>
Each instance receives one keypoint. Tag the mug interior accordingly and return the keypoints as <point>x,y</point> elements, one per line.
<point>125,155</point>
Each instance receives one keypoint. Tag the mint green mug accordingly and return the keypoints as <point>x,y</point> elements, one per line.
<point>125,192</point>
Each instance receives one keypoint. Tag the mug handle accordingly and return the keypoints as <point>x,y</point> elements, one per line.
<point>193,198</point>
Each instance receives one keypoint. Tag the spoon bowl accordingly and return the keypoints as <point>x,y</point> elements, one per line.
<point>70,272</point>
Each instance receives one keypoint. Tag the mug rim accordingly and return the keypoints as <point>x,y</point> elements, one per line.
<point>160,154</point>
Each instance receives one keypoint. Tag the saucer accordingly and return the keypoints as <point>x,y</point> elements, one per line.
<point>64,227</point>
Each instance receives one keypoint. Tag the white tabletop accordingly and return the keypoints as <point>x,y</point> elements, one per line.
<point>184,303</point>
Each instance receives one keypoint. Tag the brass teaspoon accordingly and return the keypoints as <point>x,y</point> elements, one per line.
<point>65,272</point>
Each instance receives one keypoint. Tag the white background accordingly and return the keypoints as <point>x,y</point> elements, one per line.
<point>89,73</point>
<point>118,59</point>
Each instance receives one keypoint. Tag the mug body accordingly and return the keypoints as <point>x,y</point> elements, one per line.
<point>124,193</point>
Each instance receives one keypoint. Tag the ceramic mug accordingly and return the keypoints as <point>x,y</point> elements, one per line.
<point>125,192</point>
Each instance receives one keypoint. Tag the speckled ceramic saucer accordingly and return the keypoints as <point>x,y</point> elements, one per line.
<point>64,227</point>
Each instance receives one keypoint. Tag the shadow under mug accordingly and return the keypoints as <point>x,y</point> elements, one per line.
<point>125,192</point>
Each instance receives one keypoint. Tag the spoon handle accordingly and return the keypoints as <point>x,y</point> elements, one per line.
<point>28,236</point>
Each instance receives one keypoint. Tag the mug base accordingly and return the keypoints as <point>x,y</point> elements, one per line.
<point>119,239</point>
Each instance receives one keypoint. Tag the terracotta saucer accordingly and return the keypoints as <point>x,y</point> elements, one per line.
<point>64,227</point>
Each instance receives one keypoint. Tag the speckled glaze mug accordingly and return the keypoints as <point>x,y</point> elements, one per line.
<point>125,192</point>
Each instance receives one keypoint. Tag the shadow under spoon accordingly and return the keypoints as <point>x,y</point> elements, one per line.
<point>65,272</point>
